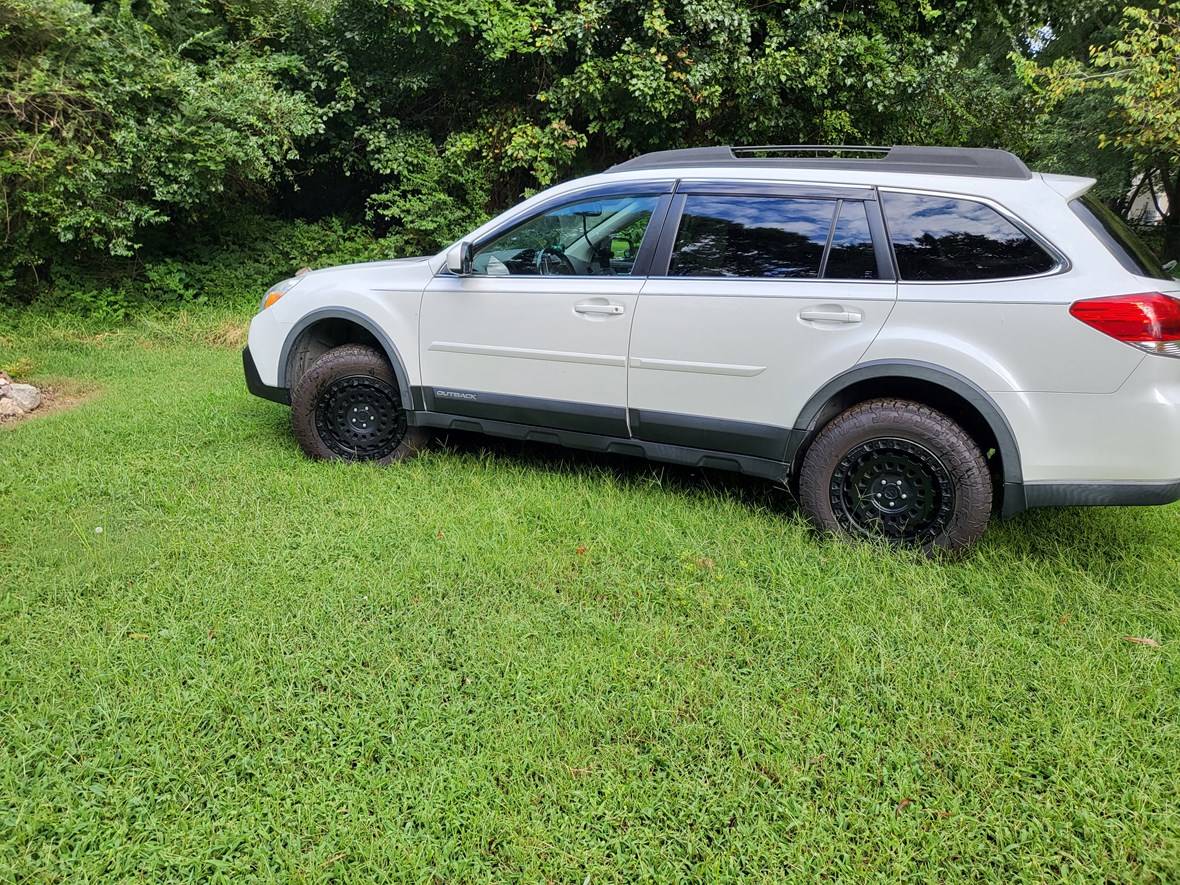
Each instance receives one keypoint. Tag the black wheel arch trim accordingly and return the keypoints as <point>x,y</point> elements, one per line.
<point>362,320</point>
<point>1013,500</point>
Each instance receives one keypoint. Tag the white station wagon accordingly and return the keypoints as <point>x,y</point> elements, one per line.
<point>911,339</point>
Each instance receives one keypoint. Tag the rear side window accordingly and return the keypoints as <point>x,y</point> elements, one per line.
<point>740,236</point>
<point>1122,242</point>
<point>949,239</point>
<point>851,255</point>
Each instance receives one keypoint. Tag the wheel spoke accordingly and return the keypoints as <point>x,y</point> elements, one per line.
<point>892,488</point>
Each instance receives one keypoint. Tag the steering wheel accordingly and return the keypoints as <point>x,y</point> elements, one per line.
<point>554,262</point>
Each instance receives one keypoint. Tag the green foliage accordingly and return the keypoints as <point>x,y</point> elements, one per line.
<point>229,263</point>
<point>108,130</point>
<point>418,118</point>
<point>1133,76</point>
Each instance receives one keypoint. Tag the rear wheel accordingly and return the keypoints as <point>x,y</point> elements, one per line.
<point>347,405</point>
<point>898,471</point>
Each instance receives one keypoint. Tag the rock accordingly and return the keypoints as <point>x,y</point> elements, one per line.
<point>26,396</point>
<point>9,408</point>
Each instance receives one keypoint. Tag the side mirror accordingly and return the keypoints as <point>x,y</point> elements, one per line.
<point>459,258</point>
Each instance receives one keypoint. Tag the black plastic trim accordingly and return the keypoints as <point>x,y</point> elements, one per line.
<point>527,410</point>
<point>697,432</point>
<point>254,382</point>
<point>776,471</point>
<point>1013,489</point>
<point>882,247</point>
<point>355,316</point>
<point>1100,494</point>
<point>730,187</point>
<point>662,256</point>
<point>965,162</point>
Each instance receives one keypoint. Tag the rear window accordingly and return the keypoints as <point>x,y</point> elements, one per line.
<point>1122,242</point>
<point>949,239</point>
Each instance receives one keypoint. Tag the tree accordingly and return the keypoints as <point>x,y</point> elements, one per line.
<point>1138,72</point>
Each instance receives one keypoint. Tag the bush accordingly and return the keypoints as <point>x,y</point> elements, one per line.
<point>228,265</point>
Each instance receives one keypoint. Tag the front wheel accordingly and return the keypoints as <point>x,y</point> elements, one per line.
<point>348,406</point>
<point>898,471</point>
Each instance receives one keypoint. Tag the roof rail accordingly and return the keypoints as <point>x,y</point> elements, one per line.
<point>969,162</point>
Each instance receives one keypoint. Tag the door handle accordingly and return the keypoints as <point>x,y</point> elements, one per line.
<point>830,314</point>
<point>612,310</point>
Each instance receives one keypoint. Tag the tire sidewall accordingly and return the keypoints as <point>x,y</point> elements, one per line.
<point>347,361</point>
<point>932,431</point>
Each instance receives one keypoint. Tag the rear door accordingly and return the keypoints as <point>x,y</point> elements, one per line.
<point>759,295</point>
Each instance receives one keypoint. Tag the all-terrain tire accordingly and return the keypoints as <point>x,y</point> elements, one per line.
<point>858,471</point>
<point>348,406</point>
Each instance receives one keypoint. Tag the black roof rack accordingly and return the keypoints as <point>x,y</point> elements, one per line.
<point>971,162</point>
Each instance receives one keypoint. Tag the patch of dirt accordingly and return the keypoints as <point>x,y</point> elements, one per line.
<point>57,395</point>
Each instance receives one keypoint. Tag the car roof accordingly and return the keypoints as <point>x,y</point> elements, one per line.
<point>961,162</point>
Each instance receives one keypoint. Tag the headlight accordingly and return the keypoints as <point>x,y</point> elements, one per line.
<point>277,291</point>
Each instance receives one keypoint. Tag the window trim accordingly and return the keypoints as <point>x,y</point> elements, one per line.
<point>1061,265</point>
<point>662,257</point>
<point>661,189</point>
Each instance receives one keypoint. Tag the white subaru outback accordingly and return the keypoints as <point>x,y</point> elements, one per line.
<point>912,339</point>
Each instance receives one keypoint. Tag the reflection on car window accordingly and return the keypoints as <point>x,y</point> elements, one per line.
<point>851,255</point>
<point>751,237</point>
<point>943,238</point>
<point>1130,251</point>
<point>598,237</point>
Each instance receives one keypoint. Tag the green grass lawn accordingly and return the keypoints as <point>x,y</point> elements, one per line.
<point>511,662</point>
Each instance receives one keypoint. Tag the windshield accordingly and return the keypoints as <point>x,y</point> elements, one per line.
<point>1122,242</point>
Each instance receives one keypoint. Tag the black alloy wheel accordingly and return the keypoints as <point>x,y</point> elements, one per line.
<point>892,488</point>
<point>348,406</point>
<point>898,471</point>
<point>360,418</point>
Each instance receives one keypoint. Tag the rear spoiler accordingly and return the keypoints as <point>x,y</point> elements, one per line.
<point>1069,186</point>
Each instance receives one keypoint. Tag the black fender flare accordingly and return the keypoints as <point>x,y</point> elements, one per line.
<point>1013,473</point>
<point>366,323</point>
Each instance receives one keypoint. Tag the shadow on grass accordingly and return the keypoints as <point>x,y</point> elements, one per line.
<point>1093,539</point>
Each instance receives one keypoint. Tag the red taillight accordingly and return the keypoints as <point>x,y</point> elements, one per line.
<point>1149,320</point>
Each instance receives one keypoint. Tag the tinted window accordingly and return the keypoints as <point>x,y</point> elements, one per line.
<point>942,238</point>
<point>751,237</point>
<point>851,256</point>
<point>586,238</point>
<point>1122,242</point>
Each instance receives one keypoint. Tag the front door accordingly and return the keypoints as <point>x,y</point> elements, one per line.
<point>538,333</point>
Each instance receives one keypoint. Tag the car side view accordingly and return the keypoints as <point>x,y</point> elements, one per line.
<point>912,339</point>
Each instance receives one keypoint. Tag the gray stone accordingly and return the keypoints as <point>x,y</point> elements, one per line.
<point>9,408</point>
<point>26,396</point>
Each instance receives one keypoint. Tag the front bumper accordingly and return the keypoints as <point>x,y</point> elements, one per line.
<point>254,382</point>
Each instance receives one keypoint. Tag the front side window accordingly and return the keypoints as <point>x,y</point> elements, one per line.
<point>594,237</point>
<point>740,236</point>
<point>950,239</point>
